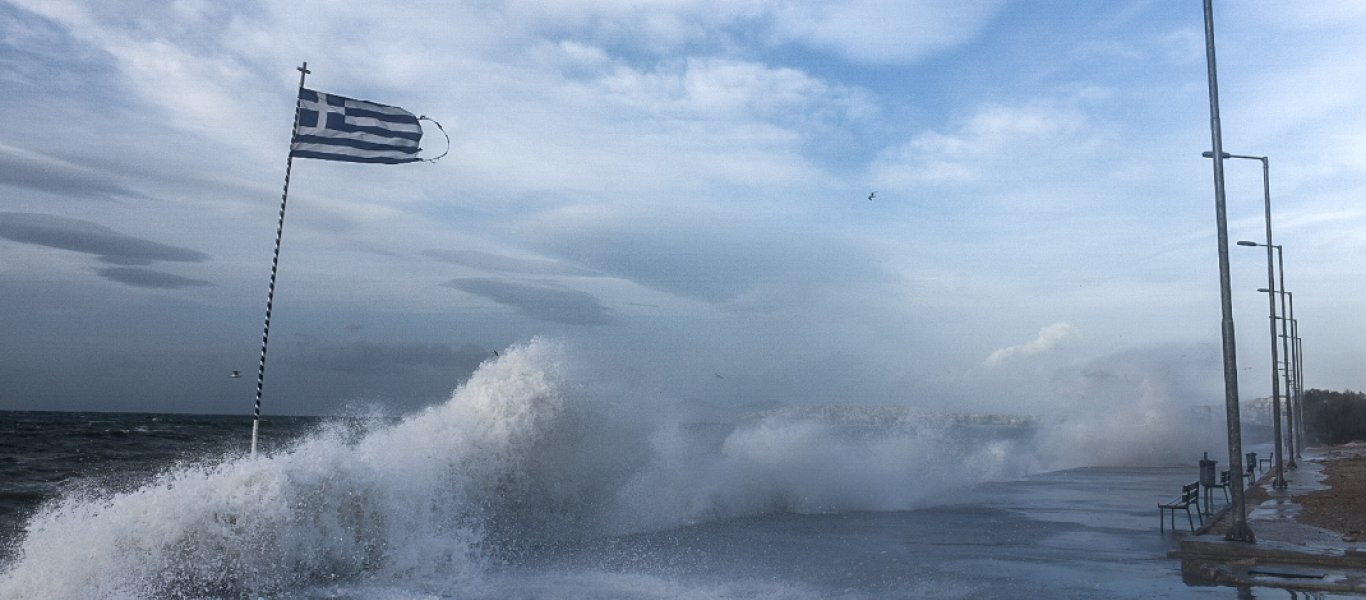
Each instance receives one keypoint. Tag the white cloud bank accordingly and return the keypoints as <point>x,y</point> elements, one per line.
<point>1049,338</point>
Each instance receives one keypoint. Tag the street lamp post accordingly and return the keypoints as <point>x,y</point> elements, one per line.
<point>1297,448</point>
<point>1279,480</point>
<point>1294,390</point>
<point>1286,370</point>
<point>1299,381</point>
<point>1291,399</point>
<point>1238,529</point>
<point>1299,370</point>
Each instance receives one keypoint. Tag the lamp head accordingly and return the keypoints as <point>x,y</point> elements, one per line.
<point>1210,154</point>
<point>1247,243</point>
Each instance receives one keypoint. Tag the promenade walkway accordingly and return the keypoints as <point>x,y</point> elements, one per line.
<point>1309,535</point>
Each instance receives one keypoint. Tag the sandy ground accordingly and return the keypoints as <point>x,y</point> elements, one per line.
<point>1342,507</point>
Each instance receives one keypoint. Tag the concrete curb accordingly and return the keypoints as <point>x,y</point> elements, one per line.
<point>1271,564</point>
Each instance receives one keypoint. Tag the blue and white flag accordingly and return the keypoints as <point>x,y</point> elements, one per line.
<point>333,127</point>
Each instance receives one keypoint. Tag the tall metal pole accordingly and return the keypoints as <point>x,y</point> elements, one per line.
<point>1285,351</point>
<point>1279,480</point>
<point>1272,316</point>
<point>274,268</point>
<point>1299,375</point>
<point>1295,389</point>
<point>1299,399</point>
<point>1295,362</point>
<point>1239,530</point>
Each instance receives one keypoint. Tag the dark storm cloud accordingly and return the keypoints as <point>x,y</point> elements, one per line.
<point>34,171</point>
<point>89,238</point>
<point>147,278</point>
<point>688,257</point>
<point>539,301</point>
<point>486,261</point>
<point>371,358</point>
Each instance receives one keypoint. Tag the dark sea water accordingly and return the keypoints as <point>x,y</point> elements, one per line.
<point>523,486</point>
<point>44,453</point>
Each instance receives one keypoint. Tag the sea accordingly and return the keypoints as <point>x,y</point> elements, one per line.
<point>530,483</point>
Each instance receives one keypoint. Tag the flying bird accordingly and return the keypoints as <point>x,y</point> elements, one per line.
<point>236,375</point>
<point>872,195</point>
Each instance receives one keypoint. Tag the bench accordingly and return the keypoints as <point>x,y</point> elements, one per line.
<point>1190,495</point>
<point>1223,484</point>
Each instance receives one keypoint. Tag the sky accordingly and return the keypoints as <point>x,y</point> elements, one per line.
<point>678,191</point>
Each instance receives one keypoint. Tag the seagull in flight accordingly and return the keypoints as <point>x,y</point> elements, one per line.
<point>236,375</point>
<point>872,195</point>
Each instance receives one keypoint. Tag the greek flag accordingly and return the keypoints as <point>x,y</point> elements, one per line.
<point>333,127</point>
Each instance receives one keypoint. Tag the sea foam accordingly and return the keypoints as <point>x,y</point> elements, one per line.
<point>529,455</point>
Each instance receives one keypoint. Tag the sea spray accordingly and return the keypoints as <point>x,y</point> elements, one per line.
<point>404,500</point>
<point>1140,407</point>
<point>530,455</point>
<point>813,460</point>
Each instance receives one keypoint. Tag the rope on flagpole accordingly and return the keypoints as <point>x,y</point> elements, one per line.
<point>274,267</point>
<point>443,132</point>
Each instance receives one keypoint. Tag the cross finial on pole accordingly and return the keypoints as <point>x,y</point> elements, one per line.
<point>304,68</point>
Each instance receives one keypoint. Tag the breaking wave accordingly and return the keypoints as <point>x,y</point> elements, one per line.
<point>524,456</point>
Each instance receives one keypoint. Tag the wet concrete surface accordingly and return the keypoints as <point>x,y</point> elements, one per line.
<point>1287,553</point>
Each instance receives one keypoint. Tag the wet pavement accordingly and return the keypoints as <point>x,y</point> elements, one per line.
<point>1287,554</point>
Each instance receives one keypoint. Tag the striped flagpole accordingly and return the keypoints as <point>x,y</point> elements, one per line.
<point>274,268</point>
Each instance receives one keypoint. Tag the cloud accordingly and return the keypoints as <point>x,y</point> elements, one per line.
<point>731,257</point>
<point>34,171</point>
<point>1048,339</point>
<point>727,89</point>
<point>537,301</point>
<point>884,31</point>
<point>89,238</point>
<point>974,149</point>
<point>698,124</point>
<point>371,358</point>
<point>500,263</point>
<point>707,158</point>
<point>147,278</point>
<point>183,59</point>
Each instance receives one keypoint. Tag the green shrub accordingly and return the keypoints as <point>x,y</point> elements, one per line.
<point>1334,417</point>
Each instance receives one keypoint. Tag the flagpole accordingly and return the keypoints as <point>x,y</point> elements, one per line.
<point>274,266</point>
